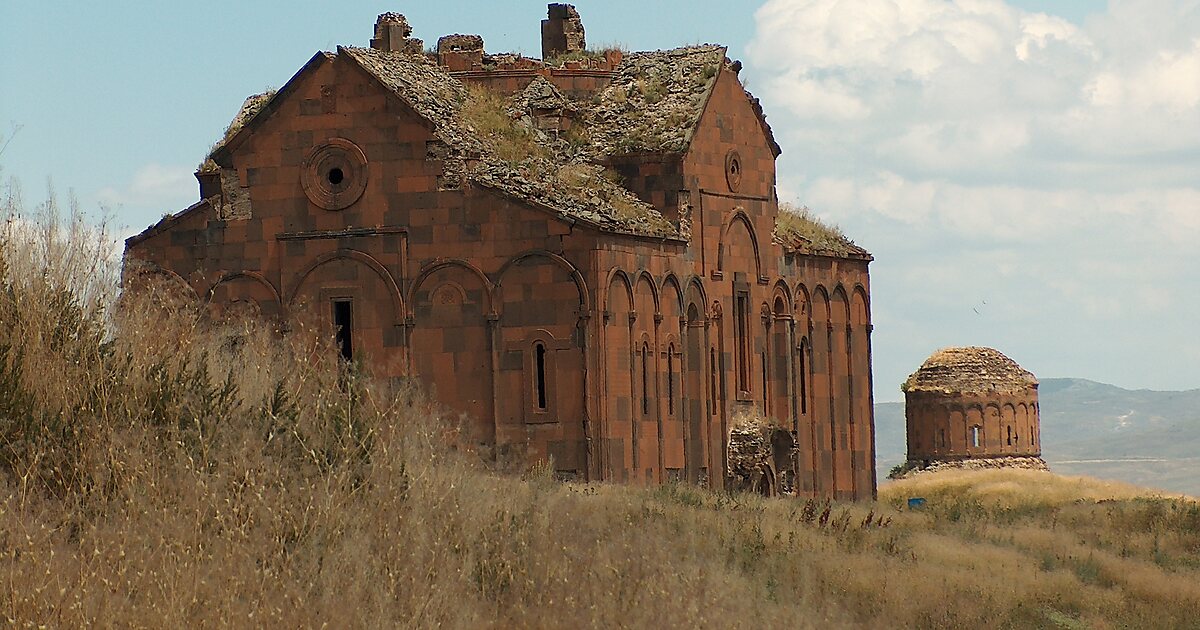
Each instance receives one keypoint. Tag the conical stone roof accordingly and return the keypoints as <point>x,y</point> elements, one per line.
<point>969,370</point>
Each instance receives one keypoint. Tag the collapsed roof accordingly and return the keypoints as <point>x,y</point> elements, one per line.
<point>534,169</point>
<point>970,370</point>
<point>652,103</point>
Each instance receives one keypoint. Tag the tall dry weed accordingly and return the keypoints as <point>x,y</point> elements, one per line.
<point>161,468</point>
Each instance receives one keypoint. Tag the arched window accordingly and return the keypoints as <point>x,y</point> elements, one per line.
<point>803,376</point>
<point>539,384</point>
<point>741,315</point>
<point>712,382</point>
<point>343,326</point>
<point>645,378</point>
<point>671,379</point>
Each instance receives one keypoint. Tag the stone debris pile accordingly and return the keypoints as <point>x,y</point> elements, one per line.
<point>467,152</point>
<point>655,100</point>
<point>983,463</point>
<point>652,102</point>
<point>969,370</point>
<point>749,446</point>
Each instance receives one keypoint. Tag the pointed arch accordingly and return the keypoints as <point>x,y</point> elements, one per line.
<point>253,276</point>
<point>645,276</point>
<point>670,289</point>
<point>860,306</point>
<point>781,295</point>
<point>450,323</point>
<point>361,257</point>
<point>572,270</point>
<point>694,295</point>
<point>801,304</point>
<point>261,294</point>
<point>138,270</point>
<point>698,406</point>
<point>820,304</point>
<point>441,263</point>
<point>839,306</point>
<point>614,275</point>
<point>619,446</point>
<point>739,216</point>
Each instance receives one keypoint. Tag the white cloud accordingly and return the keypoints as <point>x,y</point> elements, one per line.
<point>153,185</point>
<point>1022,180</point>
<point>1146,217</point>
<point>925,77</point>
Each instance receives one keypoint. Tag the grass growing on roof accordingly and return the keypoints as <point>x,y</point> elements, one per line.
<point>486,112</point>
<point>799,223</point>
<point>585,55</point>
<point>529,153</point>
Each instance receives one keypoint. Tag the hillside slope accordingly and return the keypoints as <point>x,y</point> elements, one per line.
<point>1149,438</point>
<point>1144,437</point>
<point>158,469</point>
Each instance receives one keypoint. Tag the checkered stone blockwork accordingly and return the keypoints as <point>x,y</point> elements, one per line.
<point>621,340</point>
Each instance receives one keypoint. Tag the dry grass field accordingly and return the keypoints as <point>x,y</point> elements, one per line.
<point>160,470</point>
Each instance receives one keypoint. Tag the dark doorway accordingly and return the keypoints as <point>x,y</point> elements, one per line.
<point>343,325</point>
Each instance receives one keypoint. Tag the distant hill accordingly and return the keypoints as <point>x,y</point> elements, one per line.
<point>1145,437</point>
<point>890,446</point>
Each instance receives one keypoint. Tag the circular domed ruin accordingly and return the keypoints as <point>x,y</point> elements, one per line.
<point>972,407</point>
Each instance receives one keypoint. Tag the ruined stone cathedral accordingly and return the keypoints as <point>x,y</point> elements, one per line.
<point>583,254</point>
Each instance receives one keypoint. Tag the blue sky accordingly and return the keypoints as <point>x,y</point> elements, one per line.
<point>1026,173</point>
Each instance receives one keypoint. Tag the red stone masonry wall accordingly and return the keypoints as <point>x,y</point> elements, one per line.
<point>939,425</point>
<point>646,352</point>
<point>665,293</point>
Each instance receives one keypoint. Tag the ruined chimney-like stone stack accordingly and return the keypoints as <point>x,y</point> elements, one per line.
<point>562,31</point>
<point>460,52</point>
<point>392,34</point>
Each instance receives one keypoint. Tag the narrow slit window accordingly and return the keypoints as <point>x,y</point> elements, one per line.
<point>741,314</point>
<point>539,361</point>
<point>1010,435</point>
<point>343,323</point>
<point>974,437</point>
<point>712,382</point>
<point>645,379</point>
<point>803,378</point>
<point>671,379</point>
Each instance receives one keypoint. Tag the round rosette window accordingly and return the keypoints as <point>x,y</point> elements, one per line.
<point>733,170</point>
<point>334,174</point>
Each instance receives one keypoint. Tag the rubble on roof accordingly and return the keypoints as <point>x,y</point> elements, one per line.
<point>459,42</point>
<point>251,106</point>
<point>424,86</point>
<point>652,104</point>
<point>393,33</point>
<point>541,94</point>
<point>913,468</point>
<point>576,190</point>
<point>969,370</point>
<point>398,19</point>
<point>655,100</point>
<point>541,175</point>
<point>800,230</point>
<point>562,30</point>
